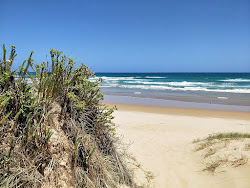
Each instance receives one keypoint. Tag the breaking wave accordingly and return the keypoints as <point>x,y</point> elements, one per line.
<point>236,80</point>
<point>155,87</point>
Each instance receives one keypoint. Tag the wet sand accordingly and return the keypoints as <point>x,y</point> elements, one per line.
<point>138,101</point>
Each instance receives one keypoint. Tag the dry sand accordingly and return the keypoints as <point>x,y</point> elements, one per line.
<point>161,140</point>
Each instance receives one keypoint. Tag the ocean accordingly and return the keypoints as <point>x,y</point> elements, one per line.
<point>210,88</point>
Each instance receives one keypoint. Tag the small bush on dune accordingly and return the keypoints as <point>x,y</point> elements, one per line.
<point>26,124</point>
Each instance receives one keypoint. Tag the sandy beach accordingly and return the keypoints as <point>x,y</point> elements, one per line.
<point>161,140</point>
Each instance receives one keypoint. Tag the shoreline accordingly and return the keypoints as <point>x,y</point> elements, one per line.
<point>182,111</point>
<point>152,102</point>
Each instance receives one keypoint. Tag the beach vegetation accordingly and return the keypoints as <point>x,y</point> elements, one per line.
<point>223,149</point>
<point>230,136</point>
<point>54,129</point>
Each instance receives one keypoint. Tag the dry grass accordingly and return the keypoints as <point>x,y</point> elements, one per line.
<point>223,149</point>
<point>212,166</point>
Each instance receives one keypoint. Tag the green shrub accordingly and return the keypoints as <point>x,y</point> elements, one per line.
<point>25,129</point>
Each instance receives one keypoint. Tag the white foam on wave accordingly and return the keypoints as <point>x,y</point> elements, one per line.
<point>140,82</point>
<point>155,77</point>
<point>236,80</point>
<point>117,78</point>
<point>145,82</point>
<point>216,90</point>
<point>227,85</point>
<point>137,93</point>
<point>155,87</point>
<point>108,86</point>
<point>93,79</point>
<point>222,97</point>
<point>144,87</point>
<point>111,85</point>
<point>184,83</point>
<point>113,81</point>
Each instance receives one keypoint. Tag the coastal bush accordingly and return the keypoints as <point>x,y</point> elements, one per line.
<point>59,102</point>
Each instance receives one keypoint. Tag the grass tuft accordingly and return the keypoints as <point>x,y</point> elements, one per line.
<point>231,136</point>
<point>223,149</point>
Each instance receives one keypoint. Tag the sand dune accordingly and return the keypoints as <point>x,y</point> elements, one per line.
<point>162,143</point>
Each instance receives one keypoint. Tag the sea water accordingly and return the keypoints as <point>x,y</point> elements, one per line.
<point>212,88</point>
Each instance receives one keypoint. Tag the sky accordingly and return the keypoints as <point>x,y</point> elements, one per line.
<point>132,35</point>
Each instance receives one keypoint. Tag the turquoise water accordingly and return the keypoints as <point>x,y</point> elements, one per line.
<point>221,88</point>
<point>214,82</point>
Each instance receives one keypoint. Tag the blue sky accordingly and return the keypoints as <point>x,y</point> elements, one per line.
<point>133,35</point>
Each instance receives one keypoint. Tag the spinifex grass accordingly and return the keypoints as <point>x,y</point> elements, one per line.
<point>223,149</point>
<point>26,121</point>
<point>231,136</point>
